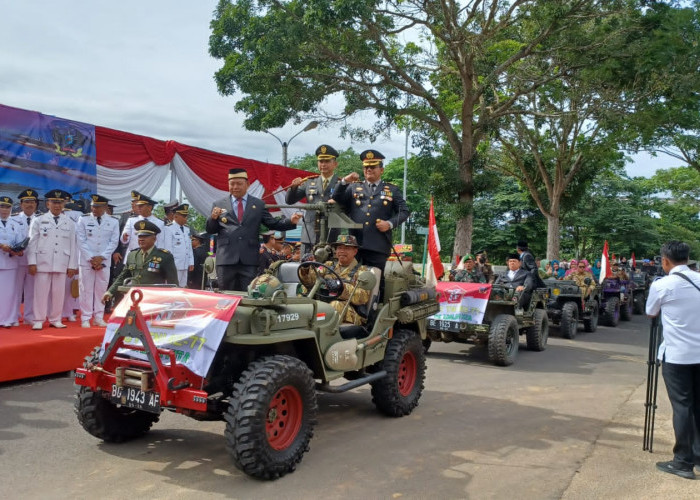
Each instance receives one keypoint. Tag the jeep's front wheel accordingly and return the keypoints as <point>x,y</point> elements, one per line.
<point>271,418</point>
<point>569,320</point>
<point>398,393</point>
<point>504,340</point>
<point>105,420</point>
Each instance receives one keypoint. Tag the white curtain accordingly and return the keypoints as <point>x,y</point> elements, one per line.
<point>117,184</point>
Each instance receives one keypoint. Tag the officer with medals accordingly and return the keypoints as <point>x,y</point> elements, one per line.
<point>377,205</point>
<point>315,190</point>
<point>178,242</point>
<point>24,287</point>
<point>347,267</point>
<point>98,237</point>
<point>146,265</point>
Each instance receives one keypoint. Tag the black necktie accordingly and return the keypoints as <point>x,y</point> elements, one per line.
<point>182,230</point>
<point>29,220</point>
<point>4,223</point>
<point>99,220</point>
<point>55,219</point>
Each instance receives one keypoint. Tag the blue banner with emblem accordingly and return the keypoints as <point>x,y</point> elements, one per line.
<point>44,152</point>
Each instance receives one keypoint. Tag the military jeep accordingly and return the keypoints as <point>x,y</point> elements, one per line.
<point>567,305</point>
<point>616,301</point>
<point>642,281</point>
<point>501,327</point>
<point>261,374</point>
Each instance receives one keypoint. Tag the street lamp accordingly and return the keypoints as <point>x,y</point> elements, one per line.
<point>312,125</point>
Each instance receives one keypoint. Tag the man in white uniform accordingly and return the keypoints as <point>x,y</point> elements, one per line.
<point>51,255</point>
<point>98,237</point>
<point>145,210</point>
<point>24,288</point>
<point>72,210</point>
<point>10,237</point>
<point>177,242</point>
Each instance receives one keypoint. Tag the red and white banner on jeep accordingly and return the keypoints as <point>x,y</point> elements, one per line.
<point>189,322</point>
<point>462,302</point>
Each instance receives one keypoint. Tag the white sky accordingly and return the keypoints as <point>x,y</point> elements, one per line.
<point>143,67</point>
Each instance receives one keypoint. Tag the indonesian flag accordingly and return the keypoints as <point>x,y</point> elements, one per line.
<point>605,269</point>
<point>633,261</point>
<point>434,271</point>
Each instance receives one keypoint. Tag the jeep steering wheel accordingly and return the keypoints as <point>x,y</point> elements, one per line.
<point>320,280</point>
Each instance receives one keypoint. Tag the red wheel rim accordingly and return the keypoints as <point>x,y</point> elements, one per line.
<point>407,374</point>
<point>284,417</point>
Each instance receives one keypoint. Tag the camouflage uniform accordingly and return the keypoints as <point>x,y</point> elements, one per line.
<point>349,275</point>
<point>579,278</point>
<point>473,276</point>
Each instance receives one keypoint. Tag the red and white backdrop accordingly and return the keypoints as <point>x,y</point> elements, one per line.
<point>43,152</point>
<point>128,161</point>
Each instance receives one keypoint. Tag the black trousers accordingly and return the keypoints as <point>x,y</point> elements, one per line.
<point>374,259</point>
<point>683,388</point>
<point>235,276</point>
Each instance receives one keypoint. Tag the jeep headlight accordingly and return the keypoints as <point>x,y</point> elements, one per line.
<point>556,292</point>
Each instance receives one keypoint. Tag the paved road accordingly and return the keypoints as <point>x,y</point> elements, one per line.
<point>527,431</point>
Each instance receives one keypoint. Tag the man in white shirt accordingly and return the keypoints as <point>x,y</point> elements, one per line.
<point>98,237</point>
<point>676,298</point>
<point>178,242</point>
<point>10,236</point>
<point>28,203</point>
<point>145,210</point>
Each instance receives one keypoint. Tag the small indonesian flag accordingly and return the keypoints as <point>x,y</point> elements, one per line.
<point>434,263</point>
<point>605,269</point>
<point>321,317</point>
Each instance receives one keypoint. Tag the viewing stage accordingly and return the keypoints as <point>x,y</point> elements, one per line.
<point>27,353</point>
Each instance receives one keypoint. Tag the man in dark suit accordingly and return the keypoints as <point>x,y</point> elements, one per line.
<point>315,190</point>
<point>236,220</point>
<point>377,205</point>
<point>519,279</point>
<point>527,263</point>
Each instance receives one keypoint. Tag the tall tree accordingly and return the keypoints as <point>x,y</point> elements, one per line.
<point>440,62</point>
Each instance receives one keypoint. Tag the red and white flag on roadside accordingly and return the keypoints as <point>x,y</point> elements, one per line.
<point>434,270</point>
<point>605,269</point>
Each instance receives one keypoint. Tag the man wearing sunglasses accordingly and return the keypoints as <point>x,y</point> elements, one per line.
<point>580,275</point>
<point>377,205</point>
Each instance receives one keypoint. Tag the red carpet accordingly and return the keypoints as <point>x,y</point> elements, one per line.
<point>26,353</point>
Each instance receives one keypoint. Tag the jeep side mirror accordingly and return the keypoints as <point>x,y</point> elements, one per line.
<point>587,281</point>
<point>366,280</point>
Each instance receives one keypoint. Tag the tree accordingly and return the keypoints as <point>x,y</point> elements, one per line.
<point>441,64</point>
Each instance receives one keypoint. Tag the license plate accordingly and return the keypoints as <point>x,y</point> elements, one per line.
<point>136,398</point>
<point>443,325</point>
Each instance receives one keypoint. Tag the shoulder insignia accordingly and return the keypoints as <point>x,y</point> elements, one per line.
<point>134,250</point>
<point>164,250</point>
<point>85,215</point>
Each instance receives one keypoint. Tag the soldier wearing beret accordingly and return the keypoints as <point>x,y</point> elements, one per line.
<point>236,219</point>
<point>316,190</point>
<point>52,254</point>
<point>468,273</point>
<point>145,212</point>
<point>24,288</point>
<point>98,237</point>
<point>178,242</point>
<point>146,265</point>
<point>377,205</point>
<point>10,237</point>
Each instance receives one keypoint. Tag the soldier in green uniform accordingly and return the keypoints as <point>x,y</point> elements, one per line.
<point>146,265</point>
<point>579,276</point>
<point>469,274</point>
<point>347,267</point>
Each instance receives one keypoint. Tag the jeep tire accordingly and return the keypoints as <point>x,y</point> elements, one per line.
<point>612,311</point>
<point>398,393</point>
<point>538,333</point>
<point>638,303</point>
<point>569,320</point>
<point>105,420</point>
<point>590,324</point>
<point>625,311</point>
<point>272,415</point>
<point>504,340</point>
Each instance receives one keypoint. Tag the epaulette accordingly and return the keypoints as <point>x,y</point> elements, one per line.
<point>85,215</point>
<point>164,250</point>
<point>390,184</point>
<point>168,222</point>
<point>134,250</point>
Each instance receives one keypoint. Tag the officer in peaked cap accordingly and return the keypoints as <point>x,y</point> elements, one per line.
<point>147,264</point>
<point>52,254</point>
<point>317,189</point>
<point>178,242</point>
<point>377,205</point>
<point>169,210</point>
<point>98,237</point>
<point>236,219</point>
<point>144,209</point>
<point>199,251</point>
<point>10,237</point>
<point>24,283</point>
